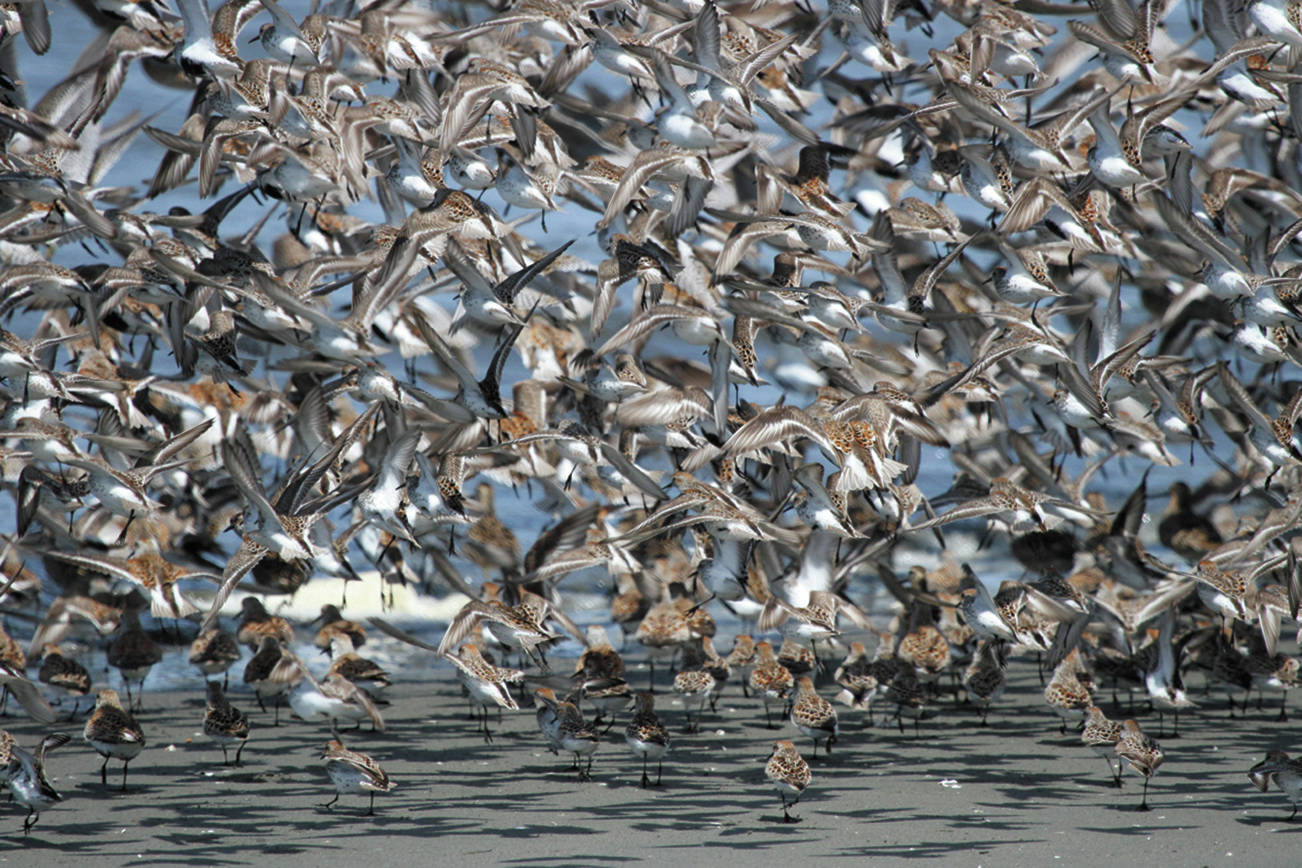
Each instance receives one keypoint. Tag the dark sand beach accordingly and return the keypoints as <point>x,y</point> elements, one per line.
<point>1013,793</point>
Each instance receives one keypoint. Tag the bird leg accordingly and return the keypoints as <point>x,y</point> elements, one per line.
<point>786,813</point>
<point>123,536</point>
<point>1115,771</point>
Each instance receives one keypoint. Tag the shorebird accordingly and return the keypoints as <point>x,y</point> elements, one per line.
<point>224,723</point>
<point>272,673</point>
<point>487,684</point>
<point>333,698</point>
<point>563,727</point>
<point>27,780</point>
<point>522,627</point>
<point>133,653</point>
<point>114,734</point>
<point>352,771</point>
<point>647,738</point>
<point>1285,772</point>
<point>151,572</point>
<point>1102,736</point>
<point>65,674</point>
<point>1141,752</point>
<point>790,775</point>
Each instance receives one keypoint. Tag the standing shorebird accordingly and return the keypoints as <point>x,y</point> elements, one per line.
<point>114,734</point>
<point>64,673</point>
<point>984,677</point>
<point>647,737</point>
<point>1102,735</point>
<point>224,723</point>
<point>272,673</point>
<point>215,650</point>
<point>695,684</point>
<point>770,679</point>
<point>27,781</point>
<point>134,653</point>
<point>354,772</point>
<point>1141,752</point>
<point>485,682</point>
<point>790,774</point>
<point>1286,772</point>
<point>256,622</point>
<point>562,725</point>
<point>813,715</point>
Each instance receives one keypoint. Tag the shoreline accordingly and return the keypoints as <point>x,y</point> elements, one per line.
<point>1014,792</point>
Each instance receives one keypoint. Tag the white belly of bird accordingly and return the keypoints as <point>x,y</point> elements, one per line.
<point>787,790</point>
<point>1274,22</point>
<point>346,778</point>
<point>27,792</point>
<point>1116,171</point>
<point>137,674</point>
<point>686,131</point>
<point>581,746</point>
<point>649,749</point>
<point>310,704</point>
<point>486,694</point>
<point>124,750</point>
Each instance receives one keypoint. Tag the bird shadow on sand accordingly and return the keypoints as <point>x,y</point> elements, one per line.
<point>1279,822</point>
<point>766,831</point>
<point>1136,824</point>
<point>536,830</point>
<point>953,821</point>
<point>575,859</point>
<point>932,849</point>
<point>113,789</point>
<point>75,837</point>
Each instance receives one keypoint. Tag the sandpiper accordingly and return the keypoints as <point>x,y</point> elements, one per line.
<point>114,733</point>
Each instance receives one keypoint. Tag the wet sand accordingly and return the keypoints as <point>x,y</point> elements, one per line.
<point>1014,793</point>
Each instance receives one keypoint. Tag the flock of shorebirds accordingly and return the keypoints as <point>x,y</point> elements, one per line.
<point>809,251</point>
